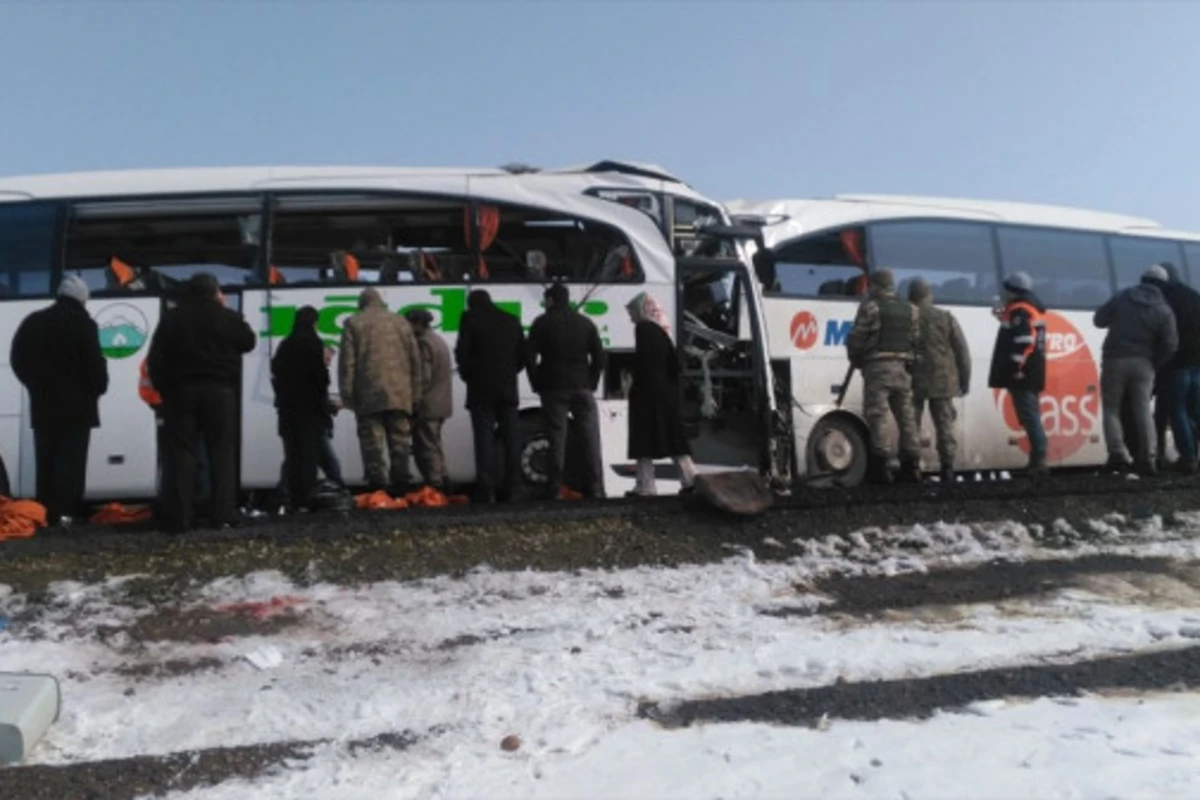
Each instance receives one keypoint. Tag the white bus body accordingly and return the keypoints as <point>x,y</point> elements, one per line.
<point>817,251</point>
<point>250,225</point>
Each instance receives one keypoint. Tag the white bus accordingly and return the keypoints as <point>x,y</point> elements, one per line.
<point>281,238</point>
<point>812,273</point>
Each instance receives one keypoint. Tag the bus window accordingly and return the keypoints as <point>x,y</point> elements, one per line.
<point>826,264</point>
<point>690,219</point>
<point>156,245</point>
<point>27,233</point>
<point>319,239</point>
<point>1132,255</point>
<point>956,258</point>
<point>1191,272</point>
<point>1069,268</point>
<point>535,245</point>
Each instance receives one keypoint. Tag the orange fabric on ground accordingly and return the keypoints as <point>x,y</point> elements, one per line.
<point>427,497</point>
<point>571,494</point>
<point>20,519</point>
<point>117,514</point>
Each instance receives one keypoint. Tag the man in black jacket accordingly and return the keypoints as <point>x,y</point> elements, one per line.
<point>56,355</point>
<point>490,354</point>
<point>301,382</point>
<point>1019,361</point>
<point>1179,392</point>
<point>195,362</point>
<point>565,359</point>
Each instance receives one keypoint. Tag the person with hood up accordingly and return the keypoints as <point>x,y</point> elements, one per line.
<point>1019,361</point>
<point>655,428</point>
<point>883,344</point>
<point>380,380</point>
<point>1141,339</point>
<point>437,403</point>
<point>56,355</point>
<point>195,363</point>
<point>301,382</point>
<point>490,353</point>
<point>941,373</point>
<point>1177,401</point>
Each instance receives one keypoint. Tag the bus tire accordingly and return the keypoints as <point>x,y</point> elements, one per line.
<point>534,443</point>
<point>837,452</point>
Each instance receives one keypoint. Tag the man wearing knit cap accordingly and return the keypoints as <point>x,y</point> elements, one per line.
<point>1141,339</point>
<point>1019,361</point>
<point>883,344</point>
<point>56,355</point>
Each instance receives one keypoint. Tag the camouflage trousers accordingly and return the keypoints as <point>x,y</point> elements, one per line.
<point>384,441</point>
<point>427,451</point>
<point>944,417</point>
<point>887,388</point>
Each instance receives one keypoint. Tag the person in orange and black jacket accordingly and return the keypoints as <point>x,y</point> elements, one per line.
<point>195,361</point>
<point>300,378</point>
<point>1019,361</point>
<point>56,355</point>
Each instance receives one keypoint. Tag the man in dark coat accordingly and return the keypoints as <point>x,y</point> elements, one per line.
<point>1179,387</point>
<point>195,362</point>
<point>565,359</point>
<point>655,427</point>
<point>1019,361</point>
<point>1141,339</point>
<point>301,382</point>
<point>490,353</point>
<point>437,403</point>
<point>56,355</point>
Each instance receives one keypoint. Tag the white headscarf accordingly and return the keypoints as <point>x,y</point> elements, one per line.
<point>646,308</point>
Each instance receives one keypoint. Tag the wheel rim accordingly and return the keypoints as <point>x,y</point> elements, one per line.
<point>535,461</point>
<point>835,451</point>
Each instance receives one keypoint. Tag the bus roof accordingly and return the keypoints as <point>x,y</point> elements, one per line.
<point>119,183</point>
<point>798,217</point>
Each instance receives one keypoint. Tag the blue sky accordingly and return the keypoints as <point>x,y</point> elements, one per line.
<point>1089,104</point>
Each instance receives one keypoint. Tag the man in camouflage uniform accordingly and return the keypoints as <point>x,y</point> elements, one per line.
<point>380,379</point>
<point>882,345</point>
<point>941,373</point>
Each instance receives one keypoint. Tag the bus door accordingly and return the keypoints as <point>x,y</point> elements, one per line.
<point>726,401</point>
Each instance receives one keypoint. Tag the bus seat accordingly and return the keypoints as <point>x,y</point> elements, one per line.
<point>834,287</point>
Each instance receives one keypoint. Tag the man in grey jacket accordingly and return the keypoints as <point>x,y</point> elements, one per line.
<point>1141,338</point>
<point>437,404</point>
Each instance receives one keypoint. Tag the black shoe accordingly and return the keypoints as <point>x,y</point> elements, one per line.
<point>946,475</point>
<point>1185,467</point>
<point>881,473</point>
<point>910,473</point>
<point>1146,469</point>
<point>1118,466</point>
<point>1036,468</point>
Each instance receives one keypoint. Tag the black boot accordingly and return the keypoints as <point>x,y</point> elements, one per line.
<point>880,472</point>
<point>1037,467</point>
<point>946,475</point>
<point>1118,465</point>
<point>910,472</point>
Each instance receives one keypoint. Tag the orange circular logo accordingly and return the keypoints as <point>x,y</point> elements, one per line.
<point>1070,403</point>
<point>804,330</point>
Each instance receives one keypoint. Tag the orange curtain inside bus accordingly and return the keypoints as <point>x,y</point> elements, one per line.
<point>488,222</point>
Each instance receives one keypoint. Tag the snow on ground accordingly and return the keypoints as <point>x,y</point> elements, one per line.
<point>562,660</point>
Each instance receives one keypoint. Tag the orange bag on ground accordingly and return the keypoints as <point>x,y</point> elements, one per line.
<point>379,501</point>
<point>20,519</point>
<point>117,514</point>
<point>427,497</point>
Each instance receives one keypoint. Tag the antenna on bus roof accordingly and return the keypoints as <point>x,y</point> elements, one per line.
<point>520,169</point>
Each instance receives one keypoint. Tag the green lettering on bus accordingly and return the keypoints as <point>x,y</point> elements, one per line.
<point>447,309</point>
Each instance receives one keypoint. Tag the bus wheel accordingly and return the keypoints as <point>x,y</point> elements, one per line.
<point>837,453</point>
<point>534,444</point>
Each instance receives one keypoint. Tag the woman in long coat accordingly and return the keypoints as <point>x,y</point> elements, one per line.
<point>655,427</point>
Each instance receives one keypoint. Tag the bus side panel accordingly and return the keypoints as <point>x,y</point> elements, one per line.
<point>813,333</point>
<point>262,452</point>
<point>16,436</point>
<point>123,454</point>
